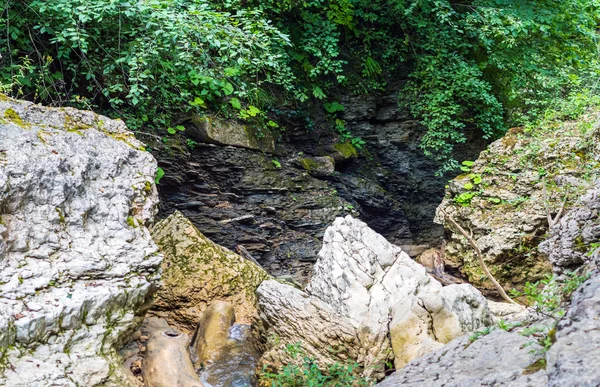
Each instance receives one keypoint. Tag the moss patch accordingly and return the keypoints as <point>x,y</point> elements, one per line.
<point>11,115</point>
<point>535,367</point>
<point>309,164</point>
<point>346,149</point>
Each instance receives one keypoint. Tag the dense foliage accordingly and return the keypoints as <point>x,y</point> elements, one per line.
<point>482,63</point>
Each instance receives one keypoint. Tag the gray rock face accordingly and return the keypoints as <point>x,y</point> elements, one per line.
<point>289,316</point>
<point>366,282</point>
<point>394,189</point>
<point>573,359</point>
<point>569,243</point>
<point>76,260</point>
<point>497,359</point>
<point>505,199</point>
<point>365,277</point>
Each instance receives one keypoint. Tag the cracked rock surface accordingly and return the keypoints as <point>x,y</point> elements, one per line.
<point>497,359</point>
<point>76,260</point>
<point>377,291</point>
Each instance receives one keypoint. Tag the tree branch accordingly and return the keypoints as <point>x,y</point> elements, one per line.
<point>484,267</point>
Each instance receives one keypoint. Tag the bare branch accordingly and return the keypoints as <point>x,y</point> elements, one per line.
<point>552,221</point>
<point>484,267</point>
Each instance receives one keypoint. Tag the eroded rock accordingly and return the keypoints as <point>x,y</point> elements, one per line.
<point>290,316</point>
<point>571,241</point>
<point>364,281</point>
<point>497,359</point>
<point>167,360</point>
<point>76,260</point>
<point>212,333</point>
<point>197,272</point>
<point>507,195</point>
<point>573,358</point>
<point>230,132</point>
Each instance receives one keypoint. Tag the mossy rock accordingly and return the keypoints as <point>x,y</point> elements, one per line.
<point>318,166</point>
<point>344,151</point>
<point>197,272</point>
<point>230,132</point>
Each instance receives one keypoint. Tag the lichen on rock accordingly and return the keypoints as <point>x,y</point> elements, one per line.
<point>507,194</point>
<point>73,274</point>
<point>197,271</point>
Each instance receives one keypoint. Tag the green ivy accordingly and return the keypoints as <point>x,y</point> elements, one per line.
<point>481,65</point>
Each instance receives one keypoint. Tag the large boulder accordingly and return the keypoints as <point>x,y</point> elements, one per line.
<point>506,196</point>
<point>573,240</point>
<point>573,245</point>
<point>217,131</point>
<point>290,316</point>
<point>368,281</point>
<point>497,359</point>
<point>197,271</point>
<point>573,358</point>
<point>76,260</point>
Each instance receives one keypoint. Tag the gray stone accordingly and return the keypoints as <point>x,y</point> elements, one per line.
<point>318,166</point>
<point>229,132</point>
<point>76,260</point>
<point>573,359</point>
<point>569,243</point>
<point>289,316</point>
<point>361,282</point>
<point>364,277</point>
<point>508,209</point>
<point>497,359</point>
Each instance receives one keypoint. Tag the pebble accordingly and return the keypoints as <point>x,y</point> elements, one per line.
<point>136,335</point>
<point>143,338</point>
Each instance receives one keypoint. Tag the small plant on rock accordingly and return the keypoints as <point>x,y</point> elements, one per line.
<point>303,371</point>
<point>549,297</point>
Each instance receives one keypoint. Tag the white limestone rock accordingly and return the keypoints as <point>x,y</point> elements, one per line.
<point>76,260</point>
<point>289,316</point>
<point>378,289</point>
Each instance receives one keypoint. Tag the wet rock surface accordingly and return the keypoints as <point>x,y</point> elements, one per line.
<point>167,360</point>
<point>77,263</point>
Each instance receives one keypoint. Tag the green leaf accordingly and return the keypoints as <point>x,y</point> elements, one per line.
<point>235,103</point>
<point>494,200</point>
<point>253,111</point>
<point>276,163</point>
<point>228,89</point>
<point>468,163</point>
<point>171,131</point>
<point>180,128</point>
<point>230,71</point>
<point>333,107</point>
<point>198,102</point>
<point>159,175</point>
<point>468,186</point>
<point>318,92</point>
